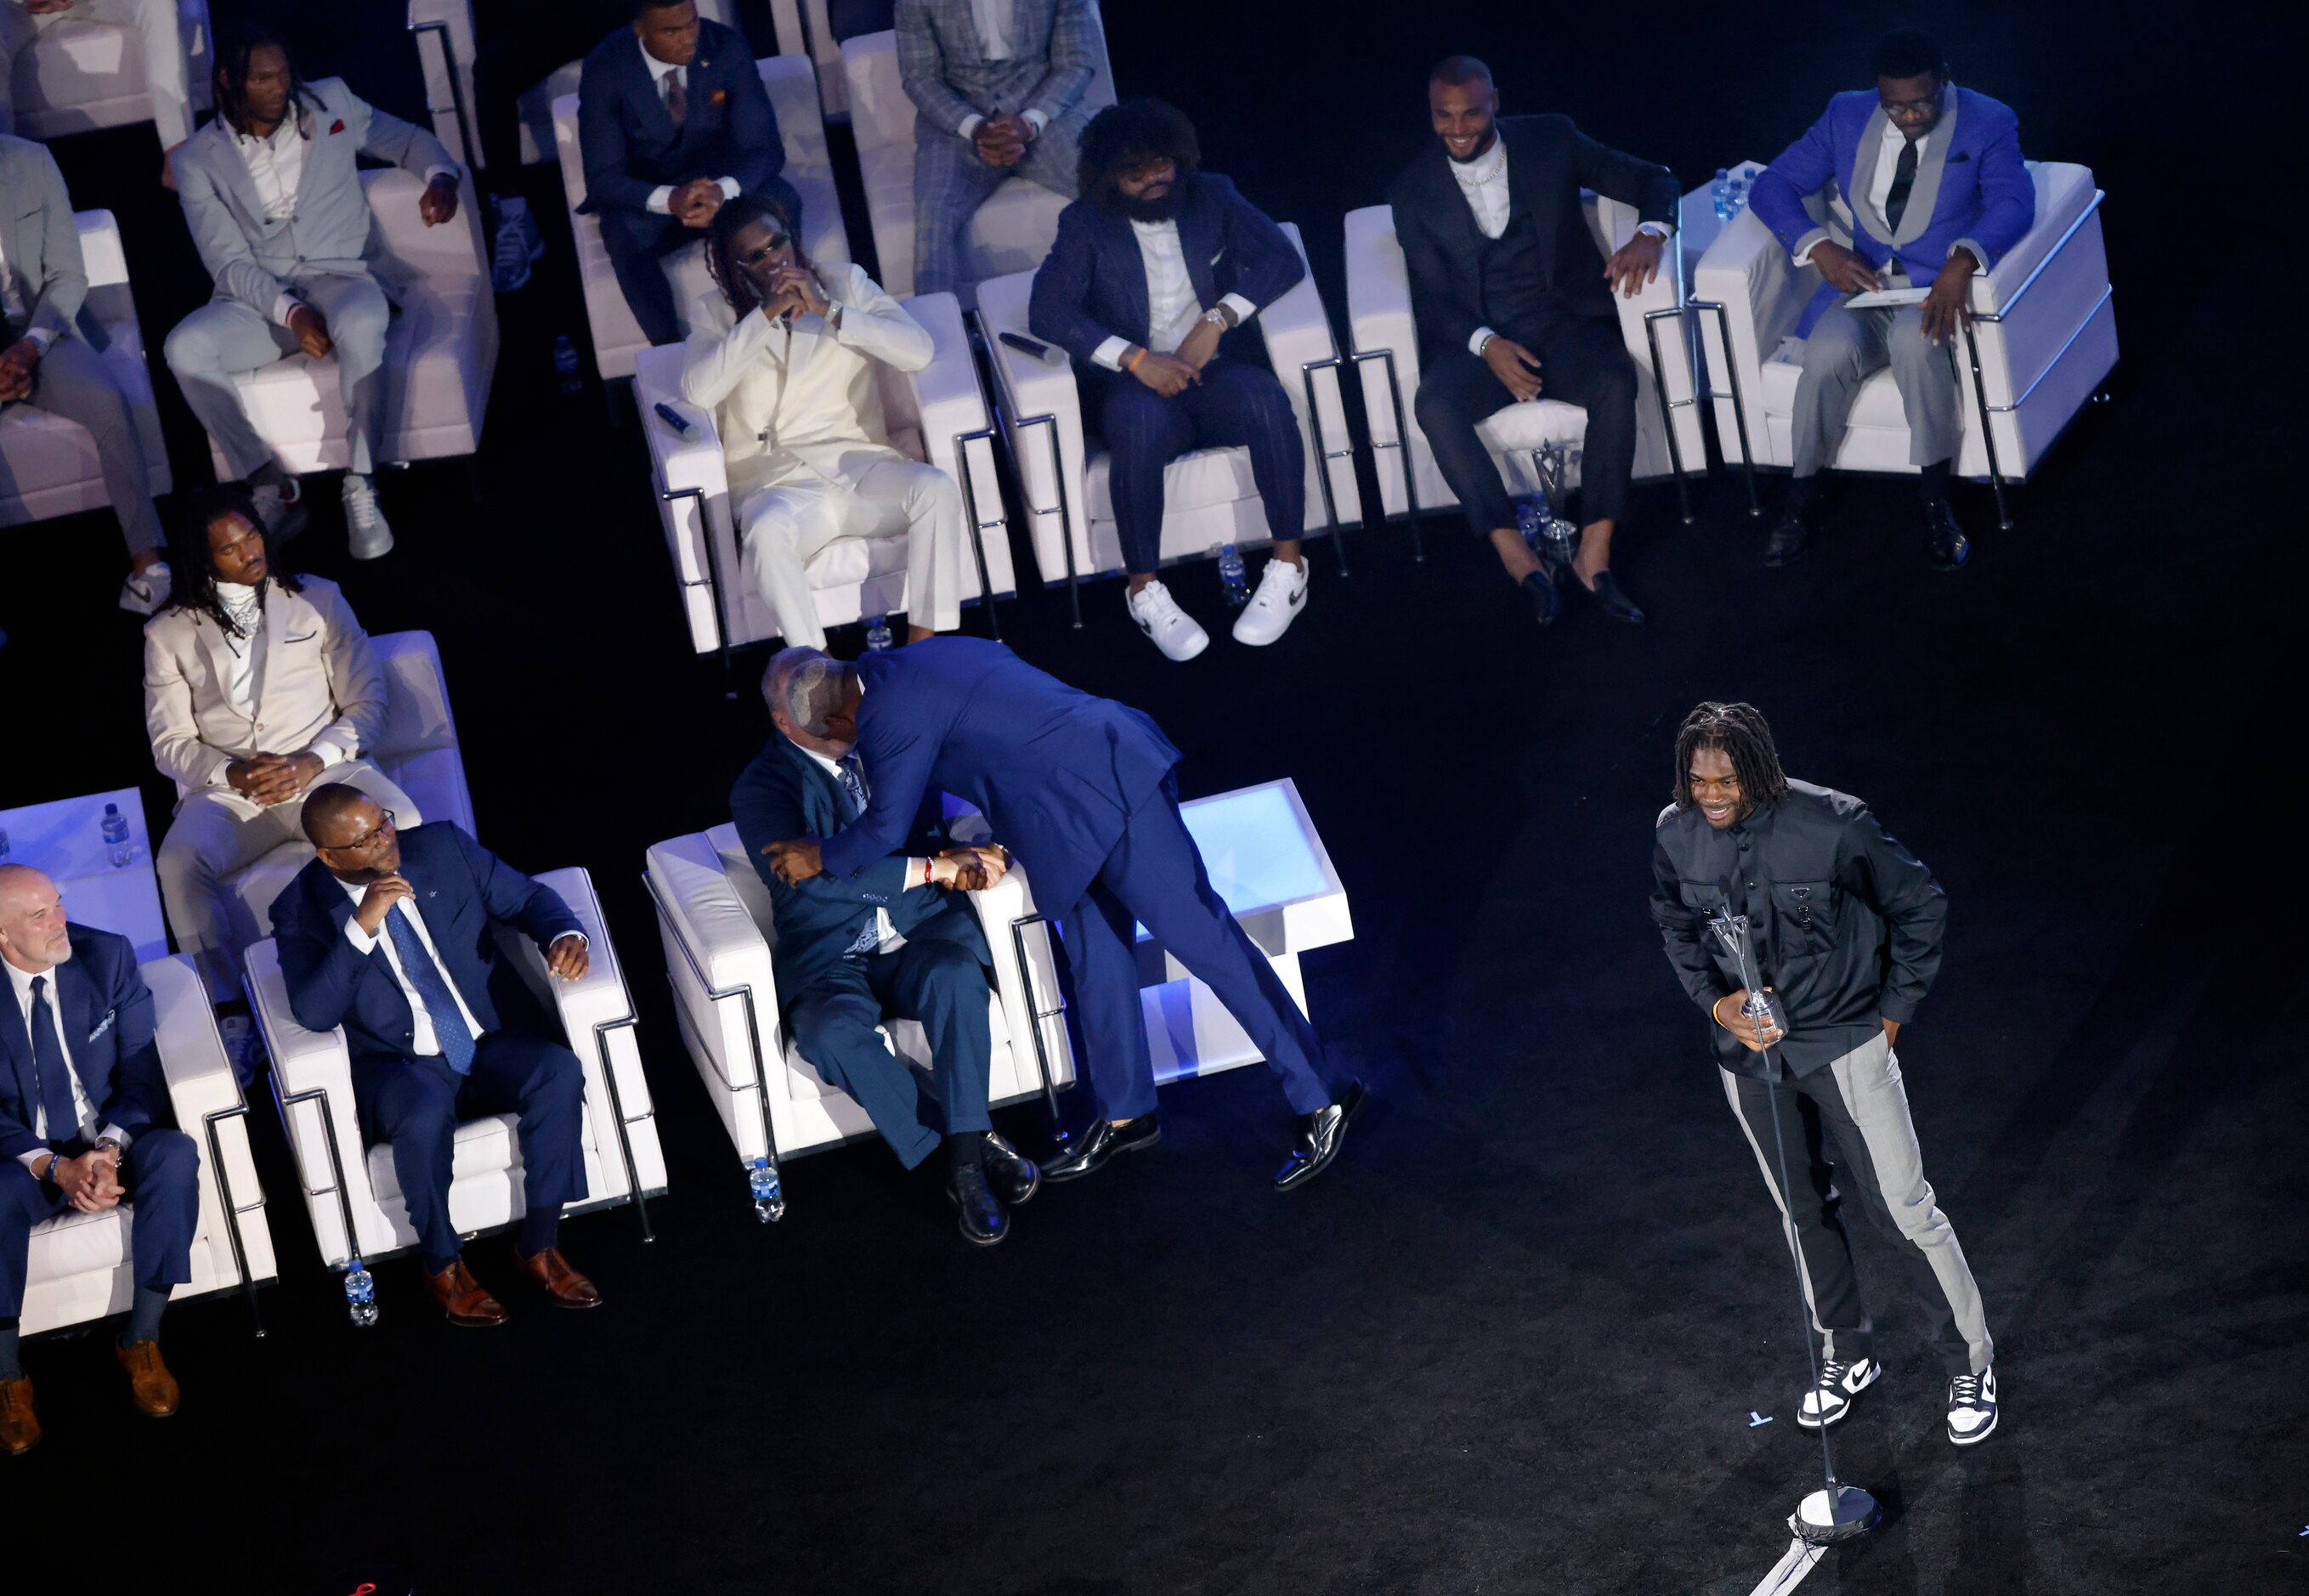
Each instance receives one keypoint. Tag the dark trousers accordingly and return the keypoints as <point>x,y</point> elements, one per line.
<point>161,1170</point>
<point>1235,404</point>
<point>415,1104</point>
<point>518,43</point>
<point>1581,361</point>
<point>638,241</point>
<point>1155,877</point>
<point>940,983</point>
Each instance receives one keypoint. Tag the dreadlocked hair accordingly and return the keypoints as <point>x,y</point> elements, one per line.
<point>195,587</point>
<point>721,239</point>
<point>234,46</point>
<point>1738,732</point>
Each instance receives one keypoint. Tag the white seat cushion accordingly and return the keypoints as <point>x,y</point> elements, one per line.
<point>488,1146</point>
<point>74,1243</point>
<point>1200,480</point>
<point>1526,426</point>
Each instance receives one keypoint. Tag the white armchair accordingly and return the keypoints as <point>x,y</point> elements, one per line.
<point>82,73</point>
<point>1209,496</point>
<point>713,915</point>
<point>806,28</point>
<point>351,1187</point>
<point>48,465</point>
<point>81,1266</point>
<point>809,167</point>
<point>1668,441</point>
<point>2042,339</point>
<point>937,414</point>
<point>440,352</point>
<point>1011,232</point>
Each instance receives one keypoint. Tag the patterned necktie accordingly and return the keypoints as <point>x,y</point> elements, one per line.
<point>677,98</point>
<point>51,1070</point>
<point>1904,178</point>
<point>870,935</point>
<point>433,987</point>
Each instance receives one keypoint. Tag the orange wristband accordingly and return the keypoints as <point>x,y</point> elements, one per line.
<point>1131,365</point>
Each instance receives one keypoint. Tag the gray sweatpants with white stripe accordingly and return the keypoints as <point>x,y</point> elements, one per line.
<point>1858,1104</point>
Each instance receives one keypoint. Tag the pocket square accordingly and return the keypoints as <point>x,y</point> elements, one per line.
<point>337,127</point>
<point>103,1025</point>
<point>717,97</point>
<point>1959,155</point>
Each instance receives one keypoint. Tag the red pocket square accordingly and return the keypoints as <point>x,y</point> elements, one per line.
<point>337,127</point>
<point>717,97</point>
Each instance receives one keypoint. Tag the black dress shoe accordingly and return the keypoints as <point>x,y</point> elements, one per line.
<point>1788,539</point>
<point>1949,547</point>
<point>1321,1134</point>
<point>1101,1142</point>
<point>979,1215</point>
<point>1541,586</point>
<point>1611,601</point>
<point>1013,1179</point>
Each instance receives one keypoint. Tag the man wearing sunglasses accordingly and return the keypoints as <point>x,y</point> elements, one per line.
<point>393,935</point>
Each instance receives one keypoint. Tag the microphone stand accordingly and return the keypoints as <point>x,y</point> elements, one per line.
<point>1837,1512</point>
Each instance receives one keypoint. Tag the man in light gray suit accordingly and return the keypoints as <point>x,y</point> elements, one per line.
<point>281,219</point>
<point>48,362</point>
<point>998,87</point>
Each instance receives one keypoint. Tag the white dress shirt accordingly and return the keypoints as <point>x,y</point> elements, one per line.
<point>992,20</point>
<point>887,940</point>
<point>244,679</point>
<point>1172,307</point>
<point>1484,182</point>
<point>20,981</point>
<point>660,198</point>
<point>425,1042</point>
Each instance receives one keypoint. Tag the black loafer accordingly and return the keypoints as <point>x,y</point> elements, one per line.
<point>1611,601</point>
<point>1788,539</point>
<point>1101,1142</point>
<point>1014,1178</point>
<point>1541,586</point>
<point>1321,1134</point>
<point>1950,547</point>
<point>978,1216</point>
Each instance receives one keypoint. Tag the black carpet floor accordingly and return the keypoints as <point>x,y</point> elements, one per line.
<point>1514,1342</point>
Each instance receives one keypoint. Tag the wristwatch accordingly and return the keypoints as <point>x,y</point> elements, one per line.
<point>1221,317</point>
<point>110,1144</point>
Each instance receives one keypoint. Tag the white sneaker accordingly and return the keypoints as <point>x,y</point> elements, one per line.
<point>1972,1407</point>
<point>280,506</point>
<point>518,243</point>
<point>1174,630</point>
<point>1282,594</point>
<point>146,590</point>
<point>367,536</point>
<point>1830,1398</point>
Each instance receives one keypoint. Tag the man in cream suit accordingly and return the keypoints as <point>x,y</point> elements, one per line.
<point>282,223</point>
<point>258,687</point>
<point>784,357</point>
<point>160,31</point>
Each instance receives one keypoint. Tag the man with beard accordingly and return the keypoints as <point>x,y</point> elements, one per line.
<point>1513,300</point>
<point>1153,266</point>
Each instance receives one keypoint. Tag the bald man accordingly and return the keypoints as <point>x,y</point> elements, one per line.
<point>83,1128</point>
<point>393,935</point>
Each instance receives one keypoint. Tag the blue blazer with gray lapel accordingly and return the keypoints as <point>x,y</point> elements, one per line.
<point>1972,189</point>
<point>785,794</point>
<point>1094,285</point>
<point>464,891</point>
<point>630,145</point>
<point>107,1012</point>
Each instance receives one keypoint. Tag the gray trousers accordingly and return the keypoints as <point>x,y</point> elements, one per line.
<point>224,337</point>
<point>1847,347</point>
<point>951,183</point>
<point>73,381</point>
<point>1858,1107</point>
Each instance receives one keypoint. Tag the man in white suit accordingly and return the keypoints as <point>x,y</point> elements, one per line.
<point>785,359</point>
<point>160,33</point>
<point>258,687</point>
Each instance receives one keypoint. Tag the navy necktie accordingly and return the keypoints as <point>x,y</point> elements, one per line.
<point>1904,178</point>
<point>854,785</point>
<point>51,1070</point>
<point>433,987</point>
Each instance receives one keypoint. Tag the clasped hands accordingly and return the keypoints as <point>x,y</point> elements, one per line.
<point>17,362</point>
<point>1173,375</point>
<point>694,202</point>
<point>963,869</point>
<point>271,779</point>
<point>90,1183</point>
<point>789,287</point>
<point>1949,302</point>
<point>566,956</point>
<point>1002,141</point>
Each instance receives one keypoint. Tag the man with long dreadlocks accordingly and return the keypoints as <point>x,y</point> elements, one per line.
<point>1845,925</point>
<point>784,355</point>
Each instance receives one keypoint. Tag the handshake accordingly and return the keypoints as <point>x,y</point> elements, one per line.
<point>970,869</point>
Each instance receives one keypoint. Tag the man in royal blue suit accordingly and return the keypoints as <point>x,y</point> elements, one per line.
<point>895,940</point>
<point>84,1126</point>
<point>671,120</point>
<point>1153,266</point>
<point>1934,181</point>
<point>393,936</point>
<point>1085,791</point>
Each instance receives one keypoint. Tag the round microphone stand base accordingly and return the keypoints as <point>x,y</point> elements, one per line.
<point>1839,1513</point>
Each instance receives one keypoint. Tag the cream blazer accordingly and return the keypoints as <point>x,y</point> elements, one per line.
<point>798,404</point>
<point>316,686</point>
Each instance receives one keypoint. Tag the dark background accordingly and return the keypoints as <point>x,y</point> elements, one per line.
<point>1512,1343</point>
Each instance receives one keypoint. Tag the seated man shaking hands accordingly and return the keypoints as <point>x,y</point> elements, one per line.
<point>894,941</point>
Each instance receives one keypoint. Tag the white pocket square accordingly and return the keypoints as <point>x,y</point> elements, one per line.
<point>103,1026</point>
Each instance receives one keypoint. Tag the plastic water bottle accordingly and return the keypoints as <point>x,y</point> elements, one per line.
<point>769,1196</point>
<point>1721,189</point>
<point>4,847</point>
<point>878,633</point>
<point>1532,519</point>
<point>1741,183</point>
<point>565,365</point>
<point>116,836</point>
<point>360,1293</point>
<point>1231,577</point>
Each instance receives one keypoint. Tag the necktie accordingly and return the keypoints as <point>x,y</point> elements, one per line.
<point>51,1070</point>
<point>1904,178</point>
<point>870,935</point>
<point>677,98</point>
<point>433,987</point>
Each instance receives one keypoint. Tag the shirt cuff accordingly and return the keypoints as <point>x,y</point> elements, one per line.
<point>28,1159</point>
<point>730,187</point>
<point>359,937</point>
<point>45,336</point>
<point>451,173</point>
<point>1899,1010</point>
<point>580,936</point>
<point>118,1134</point>
<point>284,308</point>
<point>1041,120</point>
<point>970,124</point>
<point>328,752</point>
<point>1802,253</point>
<point>1110,353</point>
<point>660,200</point>
<point>1243,308</point>
<point>1657,230</point>
<point>1972,247</point>
<point>1478,338</point>
<point>917,874</point>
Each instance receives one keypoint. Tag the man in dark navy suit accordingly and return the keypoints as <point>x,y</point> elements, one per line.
<point>895,940</point>
<point>1085,790</point>
<point>1153,266</point>
<point>83,1128</point>
<point>393,936</point>
<point>672,120</point>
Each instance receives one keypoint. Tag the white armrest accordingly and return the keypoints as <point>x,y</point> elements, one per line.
<point>201,1083</point>
<point>1024,389</point>
<point>1024,989</point>
<point>305,1061</point>
<point>101,255</point>
<point>949,403</point>
<point>690,459</point>
<point>1378,318</point>
<point>442,31</point>
<point>2065,195</point>
<point>1298,334</point>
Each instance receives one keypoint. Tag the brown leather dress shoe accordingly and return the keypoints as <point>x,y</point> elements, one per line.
<point>564,1285</point>
<point>151,1387</point>
<point>20,1427</point>
<point>468,1304</point>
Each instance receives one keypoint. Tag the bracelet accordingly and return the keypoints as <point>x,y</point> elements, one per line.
<point>1130,361</point>
<point>1480,348</point>
<point>1716,1011</point>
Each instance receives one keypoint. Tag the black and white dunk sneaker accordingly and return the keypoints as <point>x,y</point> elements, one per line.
<point>1972,1408</point>
<point>1830,1397</point>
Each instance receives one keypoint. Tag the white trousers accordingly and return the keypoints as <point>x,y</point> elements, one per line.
<point>784,528</point>
<point>208,843</point>
<point>167,71</point>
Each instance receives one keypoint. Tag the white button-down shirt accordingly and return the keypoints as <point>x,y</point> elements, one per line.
<point>660,198</point>
<point>20,982</point>
<point>425,1042</point>
<point>1483,181</point>
<point>1172,307</point>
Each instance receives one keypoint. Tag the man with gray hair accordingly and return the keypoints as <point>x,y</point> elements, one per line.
<point>894,941</point>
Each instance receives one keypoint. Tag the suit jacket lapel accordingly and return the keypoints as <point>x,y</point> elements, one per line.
<point>1523,181</point>
<point>1120,242</point>
<point>225,160</point>
<point>217,649</point>
<point>1924,194</point>
<point>822,798</point>
<point>1452,214</point>
<point>77,1001</point>
<point>1199,239</point>
<point>1860,182</point>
